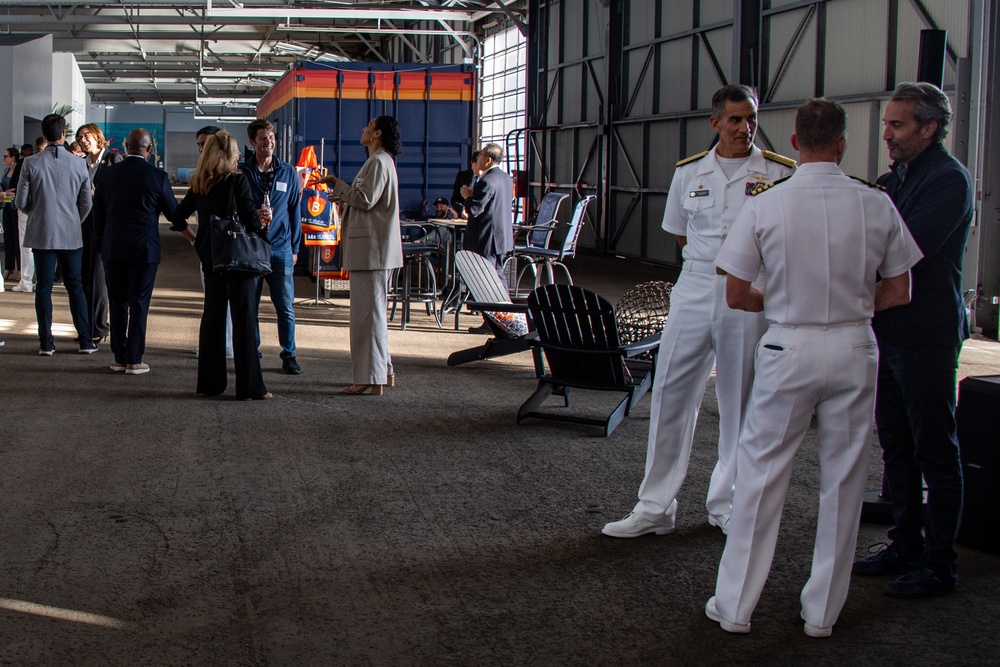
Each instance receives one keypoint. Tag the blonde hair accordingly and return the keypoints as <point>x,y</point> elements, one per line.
<point>95,132</point>
<point>217,162</point>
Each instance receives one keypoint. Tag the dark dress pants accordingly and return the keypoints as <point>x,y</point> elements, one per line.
<point>95,286</point>
<point>11,244</point>
<point>915,416</point>
<point>241,295</point>
<point>130,286</point>
<point>45,272</point>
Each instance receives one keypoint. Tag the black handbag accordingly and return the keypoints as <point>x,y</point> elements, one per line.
<point>234,249</point>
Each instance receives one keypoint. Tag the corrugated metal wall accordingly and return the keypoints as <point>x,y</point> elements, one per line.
<point>626,87</point>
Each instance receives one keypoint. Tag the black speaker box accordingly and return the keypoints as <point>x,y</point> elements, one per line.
<point>978,417</point>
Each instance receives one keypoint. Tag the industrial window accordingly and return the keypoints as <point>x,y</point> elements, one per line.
<point>502,108</point>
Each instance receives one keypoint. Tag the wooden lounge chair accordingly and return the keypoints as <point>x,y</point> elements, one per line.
<point>578,334</point>
<point>507,320</point>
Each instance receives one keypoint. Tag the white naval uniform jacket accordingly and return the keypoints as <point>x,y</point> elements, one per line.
<point>702,204</point>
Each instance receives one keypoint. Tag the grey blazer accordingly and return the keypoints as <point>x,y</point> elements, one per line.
<point>54,191</point>
<point>370,238</point>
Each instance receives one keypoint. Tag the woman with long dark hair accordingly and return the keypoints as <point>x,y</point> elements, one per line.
<point>370,247</point>
<point>215,184</point>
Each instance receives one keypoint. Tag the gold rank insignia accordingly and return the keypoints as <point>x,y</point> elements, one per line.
<point>869,183</point>
<point>764,187</point>
<point>693,158</point>
<point>780,159</point>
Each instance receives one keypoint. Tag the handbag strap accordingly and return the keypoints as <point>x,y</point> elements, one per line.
<point>233,211</point>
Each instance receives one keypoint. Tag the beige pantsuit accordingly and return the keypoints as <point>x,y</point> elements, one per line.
<point>371,247</point>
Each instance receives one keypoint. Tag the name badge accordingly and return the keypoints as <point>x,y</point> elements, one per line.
<point>698,193</point>
<point>281,187</point>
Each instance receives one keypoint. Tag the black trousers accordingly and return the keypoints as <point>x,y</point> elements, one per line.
<point>242,296</point>
<point>95,287</point>
<point>11,243</point>
<point>130,286</point>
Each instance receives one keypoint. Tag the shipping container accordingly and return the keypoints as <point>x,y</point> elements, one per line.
<point>434,105</point>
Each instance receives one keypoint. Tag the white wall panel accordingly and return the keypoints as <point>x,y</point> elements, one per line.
<point>721,42</point>
<point>859,126</point>
<point>675,76</point>
<point>855,50</point>
<point>797,80</point>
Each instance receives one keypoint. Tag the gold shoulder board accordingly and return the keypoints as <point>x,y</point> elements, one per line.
<point>780,159</point>
<point>764,187</point>
<point>693,158</point>
<point>869,183</point>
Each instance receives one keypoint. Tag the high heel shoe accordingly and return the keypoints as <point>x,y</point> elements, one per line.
<point>390,380</point>
<point>358,389</point>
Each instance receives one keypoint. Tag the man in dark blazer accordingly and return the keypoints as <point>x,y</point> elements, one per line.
<point>490,232</point>
<point>128,200</point>
<point>464,177</point>
<point>919,345</point>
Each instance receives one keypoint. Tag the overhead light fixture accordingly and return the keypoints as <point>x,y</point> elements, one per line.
<point>227,119</point>
<point>109,106</point>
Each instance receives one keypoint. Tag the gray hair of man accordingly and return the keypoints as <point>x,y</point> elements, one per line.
<point>493,152</point>
<point>733,92</point>
<point>931,105</point>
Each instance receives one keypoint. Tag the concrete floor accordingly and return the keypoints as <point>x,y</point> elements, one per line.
<point>143,525</point>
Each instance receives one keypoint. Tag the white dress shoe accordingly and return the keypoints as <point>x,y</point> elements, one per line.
<point>636,524</point>
<point>728,626</point>
<point>720,521</point>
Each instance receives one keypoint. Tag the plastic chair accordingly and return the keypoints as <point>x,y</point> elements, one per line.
<point>542,261</point>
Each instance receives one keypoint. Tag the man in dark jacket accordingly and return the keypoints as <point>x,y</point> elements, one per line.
<point>128,200</point>
<point>490,232</point>
<point>919,344</point>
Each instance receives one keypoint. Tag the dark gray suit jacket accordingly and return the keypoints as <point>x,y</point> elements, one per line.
<point>490,232</point>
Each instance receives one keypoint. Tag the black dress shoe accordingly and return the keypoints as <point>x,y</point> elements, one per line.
<point>890,560</point>
<point>291,366</point>
<point>921,582</point>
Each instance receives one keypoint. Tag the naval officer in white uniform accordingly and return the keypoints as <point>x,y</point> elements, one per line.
<point>820,237</point>
<point>707,191</point>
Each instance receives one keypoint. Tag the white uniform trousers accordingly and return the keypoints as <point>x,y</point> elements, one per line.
<point>701,332</point>
<point>27,259</point>
<point>829,370</point>
<point>370,361</point>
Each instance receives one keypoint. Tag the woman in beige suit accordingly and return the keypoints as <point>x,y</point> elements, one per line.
<point>370,247</point>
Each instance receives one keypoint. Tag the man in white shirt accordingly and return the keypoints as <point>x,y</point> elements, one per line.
<point>707,191</point>
<point>820,238</point>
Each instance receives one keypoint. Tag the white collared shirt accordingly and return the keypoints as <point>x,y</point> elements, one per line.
<point>702,203</point>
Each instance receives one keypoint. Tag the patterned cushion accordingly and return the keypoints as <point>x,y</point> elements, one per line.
<point>514,325</point>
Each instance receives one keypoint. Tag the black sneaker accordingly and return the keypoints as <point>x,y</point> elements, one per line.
<point>888,560</point>
<point>46,350</point>
<point>921,582</point>
<point>291,366</point>
<point>88,347</point>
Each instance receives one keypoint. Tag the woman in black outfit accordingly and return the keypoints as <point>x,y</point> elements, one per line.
<point>11,243</point>
<point>214,182</point>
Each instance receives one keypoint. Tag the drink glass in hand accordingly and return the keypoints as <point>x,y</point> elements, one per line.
<point>265,215</point>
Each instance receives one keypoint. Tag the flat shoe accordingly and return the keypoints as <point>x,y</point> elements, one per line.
<point>358,389</point>
<point>265,397</point>
<point>390,380</point>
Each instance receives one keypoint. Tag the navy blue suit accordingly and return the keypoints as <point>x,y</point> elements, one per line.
<point>919,344</point>
<point>128,200</point>
<point>490,231</point>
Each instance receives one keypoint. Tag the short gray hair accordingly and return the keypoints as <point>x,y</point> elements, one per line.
<point>931,105</point>
<point>733,92</point>
<point>493,152</point>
